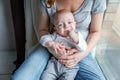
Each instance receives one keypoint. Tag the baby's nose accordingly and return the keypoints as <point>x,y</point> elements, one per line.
<point>66,26</point>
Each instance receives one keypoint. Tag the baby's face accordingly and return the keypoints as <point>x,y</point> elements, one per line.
<point>65,23</point>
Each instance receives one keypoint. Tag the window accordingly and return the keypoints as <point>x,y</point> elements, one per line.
<point>108,49</point>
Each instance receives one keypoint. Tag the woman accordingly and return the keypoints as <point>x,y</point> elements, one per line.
<point>88,15</point>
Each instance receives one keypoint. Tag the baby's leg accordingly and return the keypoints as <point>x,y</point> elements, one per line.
<point>69,73</point>
<point>51,70</point>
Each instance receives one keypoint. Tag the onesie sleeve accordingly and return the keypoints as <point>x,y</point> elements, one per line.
<point>45,38</point>
<point>48,37</point>
<point>82,45</point>
<point>98,6</point>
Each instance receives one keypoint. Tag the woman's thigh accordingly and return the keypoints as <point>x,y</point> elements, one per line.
<point>89,70</point>
<point>33,66</point>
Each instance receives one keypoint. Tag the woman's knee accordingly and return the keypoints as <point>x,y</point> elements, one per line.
<point>89,75</point>
<point>37,56</point>
<point>34,63</point>
<point>89,70</point>
<point>39,52</point>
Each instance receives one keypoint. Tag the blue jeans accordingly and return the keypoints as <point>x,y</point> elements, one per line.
<point>35,63</point>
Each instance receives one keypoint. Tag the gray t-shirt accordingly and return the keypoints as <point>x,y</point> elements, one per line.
<point>82,15</point>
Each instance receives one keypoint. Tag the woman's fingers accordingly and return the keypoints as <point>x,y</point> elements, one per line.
<point>70,54</point>
<point>71,60</point>
<point>72,51</point>
<point>62,45</point>
<point>69,63</point>
<point>66,57</point>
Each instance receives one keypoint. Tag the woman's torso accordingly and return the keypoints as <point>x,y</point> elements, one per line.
<point>82,14</point>
<point>69,4</point>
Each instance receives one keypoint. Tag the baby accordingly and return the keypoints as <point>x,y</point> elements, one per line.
<point>66,35</point>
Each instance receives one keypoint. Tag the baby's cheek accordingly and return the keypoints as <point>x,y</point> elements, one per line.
<point>72,28</point>
<point>59,32</point>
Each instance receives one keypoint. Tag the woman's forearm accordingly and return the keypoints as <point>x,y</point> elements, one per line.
<point>43,32</point>
<point>43,27</point>
<point>94,32</point>
<point>92,41</point>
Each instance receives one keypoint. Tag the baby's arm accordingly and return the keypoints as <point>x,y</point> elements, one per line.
<point>73,36</point>
<point>56,48</point>
<point>46,38</point>
<point>77,38</point>
<point>81,45</point>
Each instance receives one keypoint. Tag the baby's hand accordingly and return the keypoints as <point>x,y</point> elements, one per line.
<point>73,36</point>
<point>56,48</point>
<point>53,47</point>
<point>65,49</point>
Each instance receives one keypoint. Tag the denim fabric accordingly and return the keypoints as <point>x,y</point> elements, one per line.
<point>33,66</point>
<point>57,71</point>
<point>35,63</point>
<point>89,69</point>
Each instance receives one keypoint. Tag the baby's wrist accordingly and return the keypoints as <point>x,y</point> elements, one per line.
<point>49,43</point>
<point>74,37</point>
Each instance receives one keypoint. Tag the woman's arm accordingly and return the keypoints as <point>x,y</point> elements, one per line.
<point>94,31</point>
<point>93,37</point>
<point>43,27</point>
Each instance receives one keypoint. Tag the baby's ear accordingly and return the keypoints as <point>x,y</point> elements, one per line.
<point>54,28</point>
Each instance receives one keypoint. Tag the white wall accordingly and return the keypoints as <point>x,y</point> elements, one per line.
<point>7,40</point>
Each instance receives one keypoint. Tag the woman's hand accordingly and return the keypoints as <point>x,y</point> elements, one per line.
<point>56,48</point>
<point>72,58</point>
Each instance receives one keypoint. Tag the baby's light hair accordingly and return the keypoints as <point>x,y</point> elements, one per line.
<point>50,3</point>
<point>60,12</point>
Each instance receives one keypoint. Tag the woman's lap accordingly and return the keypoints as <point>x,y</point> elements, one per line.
<point>33,66</point>
<point>89,70</point>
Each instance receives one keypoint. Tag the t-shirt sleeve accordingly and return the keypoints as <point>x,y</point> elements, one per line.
<point>98,6</point>
<point>42,6</point>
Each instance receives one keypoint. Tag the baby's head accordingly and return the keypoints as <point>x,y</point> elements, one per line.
<point>64,22</point>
